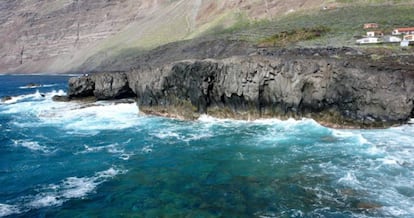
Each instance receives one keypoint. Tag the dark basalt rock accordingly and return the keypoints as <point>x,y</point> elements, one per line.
<point>103,86</point>
<point>111,86</point>
<point>6,98</point>
<point>61,98</point>
<point>343,91</point>
<point>81,86</point>
<point>33,85</point>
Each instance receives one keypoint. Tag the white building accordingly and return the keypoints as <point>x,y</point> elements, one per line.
<point>374,33</point>
<point>409,38</point>
<point>404,43</point>
<point>406,30</point>
<point>392,39</point>
<point>368,40</point>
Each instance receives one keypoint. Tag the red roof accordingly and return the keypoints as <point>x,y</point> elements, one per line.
<point>405,29</point>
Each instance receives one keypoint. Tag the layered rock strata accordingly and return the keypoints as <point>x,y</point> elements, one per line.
<point>331,90</point>
<point>40,36</point>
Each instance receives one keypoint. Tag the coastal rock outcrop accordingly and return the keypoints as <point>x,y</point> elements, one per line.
<point>111,86</point>
<point>81,86</point>
<point>104,86</point>
<point>6,98</point>
<point>331,90</point>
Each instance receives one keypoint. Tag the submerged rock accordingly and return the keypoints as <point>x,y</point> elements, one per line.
<point>6,98</point>
<point>61,98</point>
<point>33,85</point>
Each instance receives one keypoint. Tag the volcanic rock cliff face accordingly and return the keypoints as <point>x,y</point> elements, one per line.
<point>340,91</point>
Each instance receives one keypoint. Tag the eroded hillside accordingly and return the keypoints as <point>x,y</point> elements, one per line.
<point>77,35</point>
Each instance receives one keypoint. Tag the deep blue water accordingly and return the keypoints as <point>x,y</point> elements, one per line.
<point>104,160</point>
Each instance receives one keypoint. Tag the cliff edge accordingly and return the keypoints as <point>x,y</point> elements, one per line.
<point>336,86</point>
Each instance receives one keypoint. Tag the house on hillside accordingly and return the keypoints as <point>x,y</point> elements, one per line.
<point>369,40</point>
<point>409,38</point>
<point>403,31</point>
<point>391,39</point>
<point>371,26</point>
<point>374,33</point>
<point>404,43</point>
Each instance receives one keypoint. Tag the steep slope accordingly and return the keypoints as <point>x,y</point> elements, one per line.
<point>46,35</point>
<point>80,35</point>
<point>58,36</point>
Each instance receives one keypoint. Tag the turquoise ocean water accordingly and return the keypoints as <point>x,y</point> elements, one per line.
<point>104,160</point>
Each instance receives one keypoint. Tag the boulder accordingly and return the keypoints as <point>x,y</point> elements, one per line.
<point>33,85</point>
<point>6,98</point>
<point>111,86</point>
<point>81,86</point>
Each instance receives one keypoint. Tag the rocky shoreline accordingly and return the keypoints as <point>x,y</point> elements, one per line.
<point>338,87</point>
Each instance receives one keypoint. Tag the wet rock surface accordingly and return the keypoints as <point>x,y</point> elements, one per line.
<point>340,91</point>
<point>61,98</point>
<point>6,98</point>
<point>104,86</point>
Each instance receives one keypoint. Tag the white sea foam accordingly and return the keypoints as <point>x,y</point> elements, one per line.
<point>389,161</point>
<point>25,106</point>
<point>167,134</point>
<point>45,200</point>
<point>73,116</point>
<point>288,122</point>
<point>375,150</point>
<point>271,121</point>
<point>89,149</point>
<point>112,148</point>
<point>6,210</point>
<point>74,187</point>
<point>396,205</point>
<point>125,156</point>
<point>380,167</point>
<point>38,86</point>
<point>147,149</point>
<point>15,99</point>
<point>349,179</point>
<point>69,188</point>
<point>198,136</point>
<point>100,117</point>
<point>209,119</point>
<point>31,145</point>
<point>57,194</point>
<point>288,125</point>
<point>344,134</point>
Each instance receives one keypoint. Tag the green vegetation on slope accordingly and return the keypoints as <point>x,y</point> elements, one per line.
<point>344,24</point>
<point>288,37</point>
<point>336,27</point>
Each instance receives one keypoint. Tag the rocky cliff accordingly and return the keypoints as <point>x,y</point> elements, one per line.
<point>345,89</point>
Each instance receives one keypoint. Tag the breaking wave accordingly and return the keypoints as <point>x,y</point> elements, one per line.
<point>57,194</point>
<point>359,173</point>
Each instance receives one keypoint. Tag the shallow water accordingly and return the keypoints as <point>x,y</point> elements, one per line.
<point>104,160</point>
